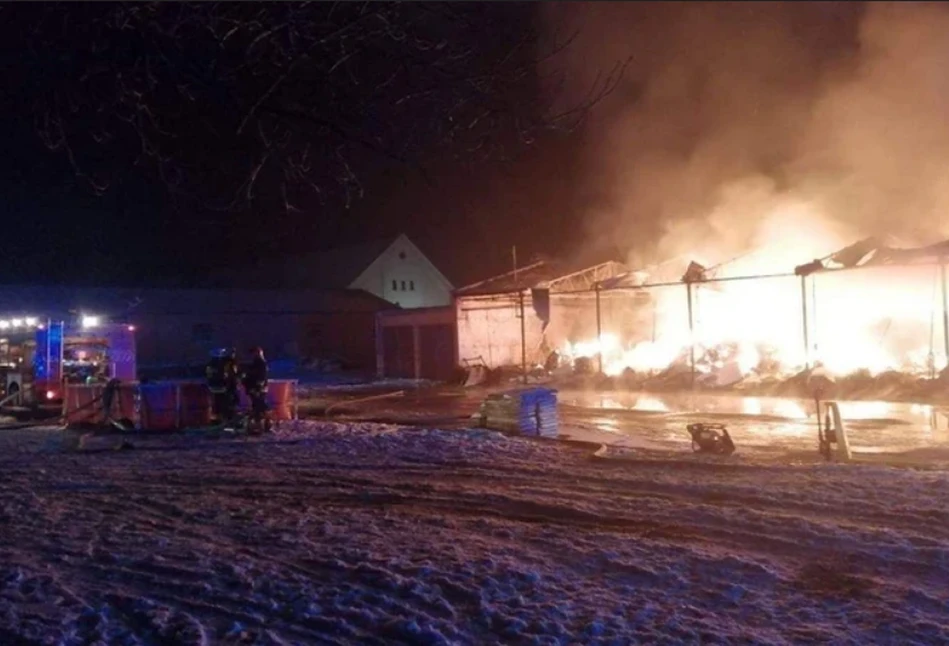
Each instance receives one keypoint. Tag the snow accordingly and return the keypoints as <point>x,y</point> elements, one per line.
<point>376,534</point>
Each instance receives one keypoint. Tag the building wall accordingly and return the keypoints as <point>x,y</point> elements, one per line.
<point>573,317</point>
<point>489,327</point>
<point>180,327</point>
<point>347,337</point>
<point>418,344</point>
<point>404,276</point>
<point>187,339</point>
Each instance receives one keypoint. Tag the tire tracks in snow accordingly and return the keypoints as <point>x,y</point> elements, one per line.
<point>249,535</point>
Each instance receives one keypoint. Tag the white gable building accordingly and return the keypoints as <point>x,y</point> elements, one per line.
<point>394,269</point>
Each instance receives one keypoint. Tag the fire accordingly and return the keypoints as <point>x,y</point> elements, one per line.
<point>877,320</point>
<point>751,318</point>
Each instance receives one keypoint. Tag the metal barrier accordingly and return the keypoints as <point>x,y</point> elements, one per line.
<point>160,407</point>
<point>165,406</point>
<point>194,405</point>
<point>81,404</point>
<point>282,399</point>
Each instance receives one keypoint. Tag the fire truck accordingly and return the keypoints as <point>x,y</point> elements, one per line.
<point>38,357</point>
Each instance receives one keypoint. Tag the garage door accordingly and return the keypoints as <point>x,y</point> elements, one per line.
<point>437,349</point>
<point>398,352</point>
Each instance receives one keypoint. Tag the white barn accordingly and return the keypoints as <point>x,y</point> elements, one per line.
<point>393,269</point>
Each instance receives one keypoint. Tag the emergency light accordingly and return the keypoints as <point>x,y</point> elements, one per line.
<point>29,321</point>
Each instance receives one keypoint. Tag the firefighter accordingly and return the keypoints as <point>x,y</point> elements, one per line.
<point>255,385</point>
<point>222,379</point>
<point>232,380</point>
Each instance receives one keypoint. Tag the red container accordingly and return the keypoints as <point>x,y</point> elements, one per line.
<point>159,406</point>
<point>123,406</point>
<point>281,397</point>
<point>195,408</point>
<point>82,404</point>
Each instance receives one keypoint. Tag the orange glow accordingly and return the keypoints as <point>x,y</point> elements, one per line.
<point>874,320</point>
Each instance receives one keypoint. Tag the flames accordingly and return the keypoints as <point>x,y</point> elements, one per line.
<point>752,319</point>
<point>879,320</point>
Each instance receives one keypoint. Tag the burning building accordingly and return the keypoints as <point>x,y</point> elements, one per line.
<point>869,308</point>
<point>794,130</point>
<point>877,307</point>
<point>744,321</point>
<point>519,318</point>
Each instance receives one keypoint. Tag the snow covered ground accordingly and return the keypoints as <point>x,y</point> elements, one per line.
<point>367,534</point>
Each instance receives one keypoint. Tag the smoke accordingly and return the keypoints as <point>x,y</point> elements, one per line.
<point>800,127</point>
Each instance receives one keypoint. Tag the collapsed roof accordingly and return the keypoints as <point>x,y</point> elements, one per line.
<point>871,252</point>
<point>545,274</point>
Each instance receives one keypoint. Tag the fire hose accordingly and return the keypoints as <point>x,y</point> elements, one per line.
<point>19,393</point>
<point>360,400</point>
<point>62,420</point>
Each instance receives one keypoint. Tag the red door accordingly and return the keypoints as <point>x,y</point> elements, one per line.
<point>437,345</point>
<point>398,352</point>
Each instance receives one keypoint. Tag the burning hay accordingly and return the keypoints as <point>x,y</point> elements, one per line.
<point>878,331</point>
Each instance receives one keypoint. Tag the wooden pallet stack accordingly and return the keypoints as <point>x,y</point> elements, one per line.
<point>529,411</point>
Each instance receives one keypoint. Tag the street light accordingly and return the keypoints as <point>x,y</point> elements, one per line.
<point>90,321</point>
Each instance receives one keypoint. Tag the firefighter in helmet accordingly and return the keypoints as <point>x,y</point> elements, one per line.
<point>222,379</point>
<point>255,385</point>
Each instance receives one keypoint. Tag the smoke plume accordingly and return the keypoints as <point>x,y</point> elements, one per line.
<point>800,127</point>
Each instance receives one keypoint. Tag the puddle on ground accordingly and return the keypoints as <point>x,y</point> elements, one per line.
<point>872,426</point>
<point>727,404</point>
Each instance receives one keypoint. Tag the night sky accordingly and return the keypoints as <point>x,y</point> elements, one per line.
<point>131,131</point>
<point>155,143</point>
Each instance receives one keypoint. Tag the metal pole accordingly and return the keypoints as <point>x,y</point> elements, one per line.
<point>814,315</point>
<point>523,341</point>
<point>688,293</point>
<point>807,344</point>
<point>945,311</point>
<point>599,330</point>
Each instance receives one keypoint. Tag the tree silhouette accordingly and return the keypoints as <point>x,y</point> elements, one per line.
<point>228,103</point>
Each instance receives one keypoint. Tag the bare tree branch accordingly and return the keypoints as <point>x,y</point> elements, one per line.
<point>227,103</point>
